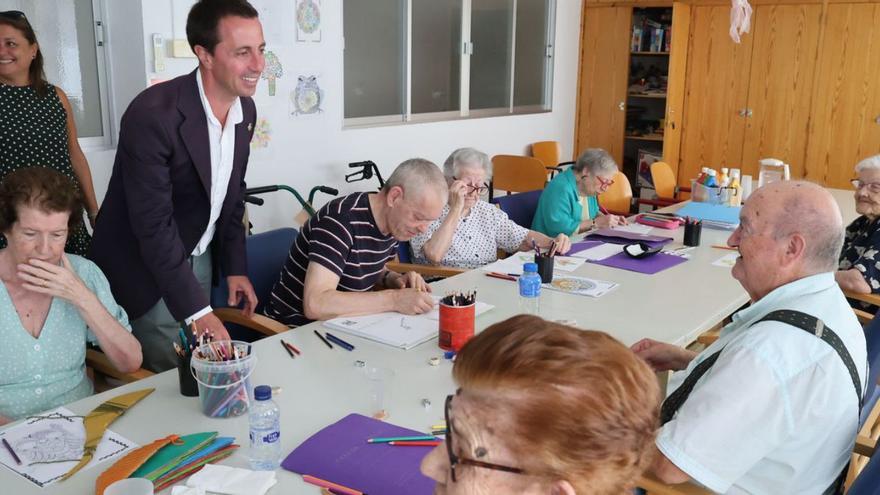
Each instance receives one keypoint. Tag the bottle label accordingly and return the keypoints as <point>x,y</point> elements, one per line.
<point>270,437</point>
<point>530,286</point>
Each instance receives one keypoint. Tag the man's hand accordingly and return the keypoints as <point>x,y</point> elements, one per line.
<point>409,280</point>
<point>240,288</point>
<point>562,245</point>
<point>661,356</point>
<point>211,325</point>
<point>412,301</point>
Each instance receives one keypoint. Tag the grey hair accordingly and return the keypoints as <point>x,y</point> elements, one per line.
<point>417,175</point>
<point>466,157</point>
<point>870,163</point>
<point>820,223</point>
<point>597,162</point>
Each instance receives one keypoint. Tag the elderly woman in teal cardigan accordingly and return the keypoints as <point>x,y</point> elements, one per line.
<point>569,204</point>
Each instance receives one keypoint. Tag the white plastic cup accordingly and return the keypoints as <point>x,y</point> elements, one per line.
<point>379,384</point>
<point>130,486</point>
<point>746,183</point>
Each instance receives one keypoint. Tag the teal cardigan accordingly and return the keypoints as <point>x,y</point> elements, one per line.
<point>559,209</point>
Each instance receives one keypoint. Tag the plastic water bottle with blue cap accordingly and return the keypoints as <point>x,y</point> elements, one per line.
<point>265,431</point>
<point>530,290</point>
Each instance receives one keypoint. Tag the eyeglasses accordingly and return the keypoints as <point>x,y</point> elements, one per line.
<point>605,182</point>
<point>455,460</point>
<point>481,189</point>
<point>873,187</point>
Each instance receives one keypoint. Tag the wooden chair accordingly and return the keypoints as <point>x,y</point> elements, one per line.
<point>549,152</point>
<point>404,263</point>
<point>513,173</point>
<point>617,199</point>
<point>665,186</point>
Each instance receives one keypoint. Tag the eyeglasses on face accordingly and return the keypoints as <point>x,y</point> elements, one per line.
<point>456,460</point>
<point>481,189</point>
<point>605,182</point>
<point>873,187</point>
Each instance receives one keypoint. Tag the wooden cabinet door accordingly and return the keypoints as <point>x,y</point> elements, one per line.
<point>716,88</point>
<point>604,70</point>
<point>846,104</point>
<point>784,48</point>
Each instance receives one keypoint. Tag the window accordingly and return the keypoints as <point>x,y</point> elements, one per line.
<point>422,60</point>
<point>70,37</point>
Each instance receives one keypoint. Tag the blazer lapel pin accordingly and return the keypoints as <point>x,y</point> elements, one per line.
<point>250,126</point>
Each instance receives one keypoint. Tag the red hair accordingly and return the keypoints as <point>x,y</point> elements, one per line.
<point>584,407</point>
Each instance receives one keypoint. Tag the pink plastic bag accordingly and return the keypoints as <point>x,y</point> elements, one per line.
<point>740,18</point>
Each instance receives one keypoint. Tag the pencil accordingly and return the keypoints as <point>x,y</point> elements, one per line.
<point>502,276</point>
<point>287,349</point>
<point>428,443</point>
<point>336,340</point>
<point>292,347</point>
<point>718,246</point>
<point>322,339</point>
<point>416,438</point>
<point>11,452</point>
<point>330,485</point>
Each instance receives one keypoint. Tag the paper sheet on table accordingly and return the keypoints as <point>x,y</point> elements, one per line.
<point>635,228</point>
<point>513,264</point>
<point>580,286</point>
<point>726,261</point>
<point>56,436</point>
<point>600,252</point>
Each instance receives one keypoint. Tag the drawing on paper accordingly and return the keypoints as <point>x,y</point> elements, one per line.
<point>262,134</point>
<point>308,20</point>
<point>53,443</point>
<point>273,70</point>
<point>306,98</point>
<point>573,284</point>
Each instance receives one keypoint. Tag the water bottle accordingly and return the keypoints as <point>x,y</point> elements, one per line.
<point>265,431</point>
<point>530,290</point>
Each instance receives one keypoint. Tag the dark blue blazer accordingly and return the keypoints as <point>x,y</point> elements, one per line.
<point>157,205</point>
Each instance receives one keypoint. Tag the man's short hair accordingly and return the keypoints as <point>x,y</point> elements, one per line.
<point>205,15</point>
<point>416,176</point>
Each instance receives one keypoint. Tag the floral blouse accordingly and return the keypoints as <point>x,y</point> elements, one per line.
<point>861,250</point>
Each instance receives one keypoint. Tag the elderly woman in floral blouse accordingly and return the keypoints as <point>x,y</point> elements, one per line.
<point>470,231</point>
<point>859,269</point>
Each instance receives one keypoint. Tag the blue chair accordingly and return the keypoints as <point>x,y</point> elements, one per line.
<point>266,253</point>
<point>520,207</point>
<point>868,481</point>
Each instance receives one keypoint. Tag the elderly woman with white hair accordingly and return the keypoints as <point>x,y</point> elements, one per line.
<point>569,203</point>
<point>470,231</point>
<point>859,269</point>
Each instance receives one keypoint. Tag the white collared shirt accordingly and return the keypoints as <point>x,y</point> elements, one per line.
<point>221,141</point>
<point>777,413</point>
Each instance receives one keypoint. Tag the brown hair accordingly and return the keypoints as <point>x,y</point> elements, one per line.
<point>42,188</point>
<point>205,16</point>
<point>583,406</point>
<point>36,74</point>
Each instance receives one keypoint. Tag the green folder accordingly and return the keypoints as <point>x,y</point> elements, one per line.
<point>169,456</point>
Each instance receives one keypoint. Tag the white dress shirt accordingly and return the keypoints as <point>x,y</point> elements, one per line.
<point>221,141</point>
<point>777,413</point>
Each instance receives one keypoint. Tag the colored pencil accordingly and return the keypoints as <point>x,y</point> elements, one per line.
<point>416,438</point>
<point>322,339</point>
<point>603,210</point>
<point>729,248</point>
<point>336,340</point>
<point>287,349</point>
<point>502,276</point>
<point>330,485</point>
<point>11,452</point>
<point>292,347</point>
<point>432,443</point>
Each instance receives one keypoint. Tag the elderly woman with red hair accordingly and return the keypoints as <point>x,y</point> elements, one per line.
<point>544,408</point>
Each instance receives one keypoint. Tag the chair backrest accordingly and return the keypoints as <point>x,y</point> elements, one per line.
<point>404,252</point>
<point>517,173</point>
<point>618,198</point>
<point>664,180</point>
<point>520,207</point>
<point>548,152</point>
<point>868,481</point>
<point>266,253</point>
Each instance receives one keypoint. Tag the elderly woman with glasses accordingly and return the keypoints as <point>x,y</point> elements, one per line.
<point>569,203</point>
<point>470,231</point>
<point>544,408</point>
<point>859,269</point>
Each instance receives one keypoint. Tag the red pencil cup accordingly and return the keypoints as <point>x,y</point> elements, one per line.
<point>456,326</point>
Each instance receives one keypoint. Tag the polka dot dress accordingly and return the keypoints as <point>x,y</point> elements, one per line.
<point>33,132</point>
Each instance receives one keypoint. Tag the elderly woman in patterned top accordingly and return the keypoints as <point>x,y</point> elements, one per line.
<point>859,269</point>
<point>470,231</point>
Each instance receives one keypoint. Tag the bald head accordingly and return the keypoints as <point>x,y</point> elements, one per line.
<point>807,209</point>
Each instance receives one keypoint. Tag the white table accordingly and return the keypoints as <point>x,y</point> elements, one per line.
<point>323,385</point>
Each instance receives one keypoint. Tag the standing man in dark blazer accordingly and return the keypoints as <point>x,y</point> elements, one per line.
<point>172,218</point>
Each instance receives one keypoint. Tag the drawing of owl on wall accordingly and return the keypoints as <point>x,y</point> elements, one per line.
<point>307,97</point>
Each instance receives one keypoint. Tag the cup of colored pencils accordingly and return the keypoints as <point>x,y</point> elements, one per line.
<point>223,370</point>
<point>457,315</point>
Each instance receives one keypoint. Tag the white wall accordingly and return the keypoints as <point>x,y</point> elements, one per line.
<point>311,150</point>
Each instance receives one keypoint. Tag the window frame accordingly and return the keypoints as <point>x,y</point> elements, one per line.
<point>105,140</point>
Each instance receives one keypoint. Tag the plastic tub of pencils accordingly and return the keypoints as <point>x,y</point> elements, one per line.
<point>223,370</point>
<point>457,315</point>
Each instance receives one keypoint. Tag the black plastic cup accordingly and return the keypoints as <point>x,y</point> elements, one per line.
<point>188,387</point>
<point>692,233</point>
<point>545,267</point>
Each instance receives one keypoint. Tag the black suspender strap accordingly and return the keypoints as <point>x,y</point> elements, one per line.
<point>797,319</point>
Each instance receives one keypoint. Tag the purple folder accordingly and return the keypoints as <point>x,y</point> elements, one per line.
<point>340,453</point>
<point>579,246</point>
<point>623,237</point>
<point>650,265</point>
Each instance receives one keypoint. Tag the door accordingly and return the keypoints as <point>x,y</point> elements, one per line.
<point>785,44</point>
<point>604,70</point>
<point>716,91</point>
<point>845,123</point>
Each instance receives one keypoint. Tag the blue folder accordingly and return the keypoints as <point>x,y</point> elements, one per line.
<point>708,212</point>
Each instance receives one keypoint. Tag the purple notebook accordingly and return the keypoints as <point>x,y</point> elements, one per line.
<point>649,265</point>
<point>579,246</point>
<point>340,453</point>
<point>623,237</point>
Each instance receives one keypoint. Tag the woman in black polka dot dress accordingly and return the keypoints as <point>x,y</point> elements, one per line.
<point>36,121</point>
